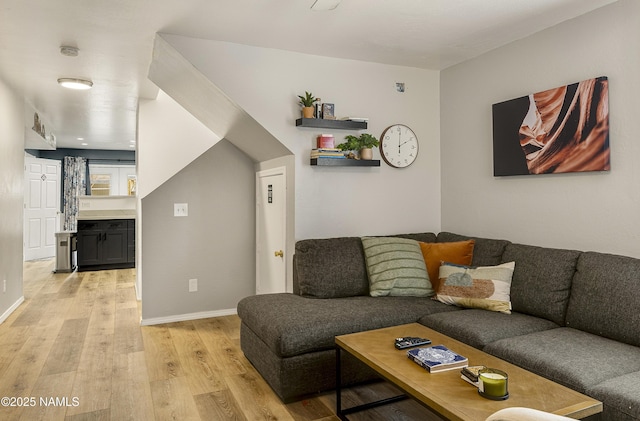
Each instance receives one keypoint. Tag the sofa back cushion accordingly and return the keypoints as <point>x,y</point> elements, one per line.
<point>335,267</point>
<point>486,251</point>
<point>541,282</point>
<point>331,268</point>
<point>605,297</point>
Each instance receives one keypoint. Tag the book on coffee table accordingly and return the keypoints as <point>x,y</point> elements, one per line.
<point>470,374</point>
<point>437,358</point>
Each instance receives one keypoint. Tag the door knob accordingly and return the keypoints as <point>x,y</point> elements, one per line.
<point>279,253</point>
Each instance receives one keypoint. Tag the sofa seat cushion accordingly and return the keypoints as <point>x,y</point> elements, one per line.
<point>480,327</point>
<point>621,397</point>
<point>542,280</point>
<point>576,359</point>
<point>292,378</point>
<point>292,325</point>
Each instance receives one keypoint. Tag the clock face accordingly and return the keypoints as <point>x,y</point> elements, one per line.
<point>398,146</point>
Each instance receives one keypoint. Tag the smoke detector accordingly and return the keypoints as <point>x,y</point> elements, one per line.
<point>69,51</point>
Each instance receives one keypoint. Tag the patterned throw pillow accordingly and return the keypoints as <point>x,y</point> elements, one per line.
<point>396,267</point>
<point>483,287</point>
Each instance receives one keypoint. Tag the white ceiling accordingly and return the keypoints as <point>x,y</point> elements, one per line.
<point>115,39</point>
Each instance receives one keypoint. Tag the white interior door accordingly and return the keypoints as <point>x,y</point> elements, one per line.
<point>41,207</point>
<point>271,231</point>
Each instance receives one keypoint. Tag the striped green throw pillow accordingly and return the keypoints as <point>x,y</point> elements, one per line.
<point>396,267</point>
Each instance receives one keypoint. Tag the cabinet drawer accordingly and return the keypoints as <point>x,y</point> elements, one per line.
<point>115,224</point>
<point>89,225</point>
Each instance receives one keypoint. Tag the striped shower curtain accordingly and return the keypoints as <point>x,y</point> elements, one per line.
<point>75,185</point>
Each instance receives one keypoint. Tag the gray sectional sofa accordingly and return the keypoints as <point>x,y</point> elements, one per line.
<point>575,319</point>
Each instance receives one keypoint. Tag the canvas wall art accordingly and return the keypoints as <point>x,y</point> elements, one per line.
<point>560,130</point>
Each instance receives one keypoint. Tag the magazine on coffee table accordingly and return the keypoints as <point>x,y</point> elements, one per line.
<point>437,358</point>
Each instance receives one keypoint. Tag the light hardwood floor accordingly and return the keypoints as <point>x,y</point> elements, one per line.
<point>77,338</point>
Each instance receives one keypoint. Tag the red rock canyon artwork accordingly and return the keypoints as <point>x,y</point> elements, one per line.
<point>560,130</point>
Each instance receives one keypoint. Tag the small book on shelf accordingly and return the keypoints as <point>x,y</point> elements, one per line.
<point>326,153</point>
<point>437,358</point>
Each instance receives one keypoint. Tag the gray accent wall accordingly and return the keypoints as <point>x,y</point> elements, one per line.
<point>11,197</point>
<point>215,243</point>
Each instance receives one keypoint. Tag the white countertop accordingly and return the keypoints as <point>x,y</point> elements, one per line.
<point>84,215</point>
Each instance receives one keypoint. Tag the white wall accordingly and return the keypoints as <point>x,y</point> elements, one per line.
<point>586,211</point>
<point>169,138</point>
<point>11,198</point>
<point>336,201</point>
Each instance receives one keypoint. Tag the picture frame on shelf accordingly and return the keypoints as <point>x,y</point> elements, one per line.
<point>328,111</point>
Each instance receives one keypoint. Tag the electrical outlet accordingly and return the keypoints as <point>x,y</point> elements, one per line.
<point>4,286</point>
<point>180,209</point>
<point>193,285</point>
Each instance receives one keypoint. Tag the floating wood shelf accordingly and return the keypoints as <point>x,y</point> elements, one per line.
<point>332,162</point>
<point>331,124</point>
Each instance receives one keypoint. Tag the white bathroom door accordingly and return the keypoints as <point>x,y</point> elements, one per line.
<point>41,207</point>
<point>271,219</point>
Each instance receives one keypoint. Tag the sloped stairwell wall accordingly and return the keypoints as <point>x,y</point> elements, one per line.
<point>196,146</point>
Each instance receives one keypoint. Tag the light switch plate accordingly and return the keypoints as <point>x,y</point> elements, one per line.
<point>180,209</point>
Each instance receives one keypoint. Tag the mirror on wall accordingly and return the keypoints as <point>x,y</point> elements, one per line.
<point>112,180</point>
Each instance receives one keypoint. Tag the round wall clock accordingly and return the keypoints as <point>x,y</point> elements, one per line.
<point>398,146</point>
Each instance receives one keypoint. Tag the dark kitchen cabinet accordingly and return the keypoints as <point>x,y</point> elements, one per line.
<point>131,240</point>
<point>106,244</point>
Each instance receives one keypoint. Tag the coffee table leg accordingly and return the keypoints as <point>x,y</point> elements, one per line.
<point>342,413</point>
<point>339,386</point>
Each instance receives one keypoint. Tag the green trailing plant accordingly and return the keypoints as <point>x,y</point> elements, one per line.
<point>307,100</point>
<point>353,143</point>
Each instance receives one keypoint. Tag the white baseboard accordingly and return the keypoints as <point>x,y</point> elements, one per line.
<point>188,316</point>
<point>11,309</point>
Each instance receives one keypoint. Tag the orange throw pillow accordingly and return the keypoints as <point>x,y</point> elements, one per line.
<point>458,252</point>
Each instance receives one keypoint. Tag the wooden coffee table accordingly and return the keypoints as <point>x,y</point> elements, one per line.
<point>446,393</point>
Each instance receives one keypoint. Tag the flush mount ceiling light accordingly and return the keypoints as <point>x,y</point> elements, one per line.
<point>73,83</point>
<point>325,4</point>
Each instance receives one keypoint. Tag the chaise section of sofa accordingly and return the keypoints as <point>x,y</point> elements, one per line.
<point>289,338</point>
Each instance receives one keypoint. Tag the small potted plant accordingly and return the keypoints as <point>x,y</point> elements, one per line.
<point>307,104</point>
<point>363,144</point>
